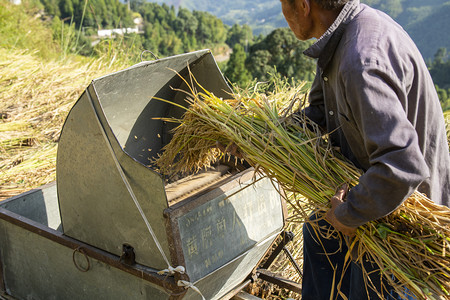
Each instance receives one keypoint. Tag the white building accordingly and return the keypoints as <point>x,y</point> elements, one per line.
<point>102,33</point>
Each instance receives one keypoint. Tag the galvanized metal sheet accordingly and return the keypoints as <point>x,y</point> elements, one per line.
<point>221,281</point>
<point>104,159</point>
<point>96,206</point>
<point>39,262</point>
<point>223,228</point>
<point>39,205</point>
<point>127,99</point>
<point>109,138</point>
<point>37,268</point>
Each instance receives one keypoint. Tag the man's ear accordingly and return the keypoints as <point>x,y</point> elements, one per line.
<point>305,6</point>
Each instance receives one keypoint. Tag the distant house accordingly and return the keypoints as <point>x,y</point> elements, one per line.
<point>138,21</point>
<point>103,33</point>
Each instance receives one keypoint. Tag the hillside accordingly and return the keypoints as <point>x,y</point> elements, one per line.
<point>428,31</point>
<point>263,17</point>
<point>39,83</point>
<point>423,20</point>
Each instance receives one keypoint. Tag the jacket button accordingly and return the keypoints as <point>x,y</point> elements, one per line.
<point>331,113</point>
<point>325,78</point>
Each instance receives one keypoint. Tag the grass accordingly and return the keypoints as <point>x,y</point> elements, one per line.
<point>21,28</point>
<point>36,95</point>
<point>40,80</point>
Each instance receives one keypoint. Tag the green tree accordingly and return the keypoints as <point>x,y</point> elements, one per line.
<point>239,35</point>
<point>259,64</point>
<point>210,30</point>
<point>440,69</point>
<point>66,7</point>
<point>235,70</point>
<point>204,31</point>
<point>90,13</point>
<point>440,57</point>
<point>190,22</point>
<point>443,98</point>
<point>52,7</point>
<point>441,93</point>
<point>283,52</point>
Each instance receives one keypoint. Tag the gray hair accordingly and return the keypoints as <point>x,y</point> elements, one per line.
<point>327,4</point>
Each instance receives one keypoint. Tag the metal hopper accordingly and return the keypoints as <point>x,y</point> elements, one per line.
<point>117,214</point>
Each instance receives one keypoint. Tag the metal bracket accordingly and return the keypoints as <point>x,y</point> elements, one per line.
<point>264,274</point>
<point>280,281</point>
<point>128,256</point>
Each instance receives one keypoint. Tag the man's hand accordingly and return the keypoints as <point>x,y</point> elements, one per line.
<point>337,200</point>
<point>231,149</point>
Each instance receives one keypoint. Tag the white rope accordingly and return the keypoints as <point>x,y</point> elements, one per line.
<point>133,196</point>
<point>184,283</point>
<point>187,285</point>
<point>128,186</point>
<point>170,270</point>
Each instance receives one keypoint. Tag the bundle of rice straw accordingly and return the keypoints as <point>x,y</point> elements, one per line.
<point>411,245</point>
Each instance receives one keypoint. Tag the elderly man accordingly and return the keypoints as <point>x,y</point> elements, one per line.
<point>374,96</point>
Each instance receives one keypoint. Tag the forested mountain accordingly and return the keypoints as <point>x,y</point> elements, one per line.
<point>263,16</point>
<point>97,14</point>
<point>168,30</point>
<point>173,29</point>
<point>428,22</point>
<point>158,28</point>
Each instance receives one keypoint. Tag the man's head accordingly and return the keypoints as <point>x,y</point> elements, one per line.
<point>310,18</point>
<point>326,4</point>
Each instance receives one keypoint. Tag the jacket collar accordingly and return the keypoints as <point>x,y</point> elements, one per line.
<point>324,48</point>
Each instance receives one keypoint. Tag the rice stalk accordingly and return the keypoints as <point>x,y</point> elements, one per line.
<point>411,246</point>
<point>28,169</point>
<point>36,96</point>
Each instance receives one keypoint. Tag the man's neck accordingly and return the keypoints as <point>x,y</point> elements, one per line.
<point>323,19</point>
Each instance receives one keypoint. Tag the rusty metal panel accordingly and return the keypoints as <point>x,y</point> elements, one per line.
<point>36,268</point>
<point>38,262</point>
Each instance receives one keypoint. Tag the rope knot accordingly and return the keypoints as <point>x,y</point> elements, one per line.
<point>171,270</point>
<point>190,285</point>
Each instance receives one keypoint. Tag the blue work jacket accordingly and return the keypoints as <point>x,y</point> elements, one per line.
<point>374,95</point>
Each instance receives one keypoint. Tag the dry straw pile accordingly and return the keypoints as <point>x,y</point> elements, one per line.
<point>36,95</point>
<point>412,244</point>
